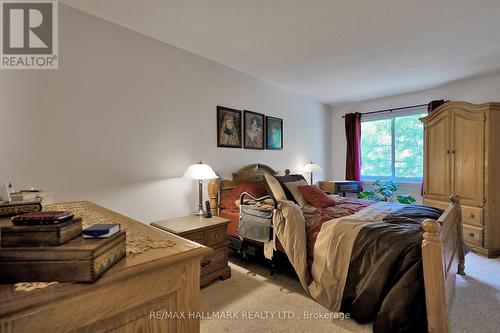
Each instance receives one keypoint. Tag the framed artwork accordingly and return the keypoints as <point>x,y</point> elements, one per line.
<point>228,127</point>
<point>253,130</point>
<point>274,135</point>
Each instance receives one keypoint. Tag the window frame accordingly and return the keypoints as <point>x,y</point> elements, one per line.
<point>392,115</point>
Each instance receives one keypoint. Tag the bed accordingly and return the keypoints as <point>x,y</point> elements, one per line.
<point>429,253</point>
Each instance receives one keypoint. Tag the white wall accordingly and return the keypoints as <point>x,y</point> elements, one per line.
<point>475,90</point>
<point>124,116</point>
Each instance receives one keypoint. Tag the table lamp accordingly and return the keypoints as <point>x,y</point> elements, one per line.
<point>199,171</point>
<point>311,168</point>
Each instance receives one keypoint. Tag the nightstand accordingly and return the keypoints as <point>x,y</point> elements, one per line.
<point>340,186</point>
<point>210,232</point>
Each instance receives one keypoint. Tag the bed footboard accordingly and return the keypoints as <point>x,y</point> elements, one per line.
<point>443,258</point>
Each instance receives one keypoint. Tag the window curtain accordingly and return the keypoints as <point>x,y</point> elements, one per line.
<point>431,107</point>
<point>353,137</point>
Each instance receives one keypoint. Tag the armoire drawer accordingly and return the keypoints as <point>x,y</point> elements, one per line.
<point>473,234</point>
<point>471,215</point>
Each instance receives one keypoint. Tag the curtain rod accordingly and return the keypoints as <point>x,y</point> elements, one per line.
<point>393,109</point>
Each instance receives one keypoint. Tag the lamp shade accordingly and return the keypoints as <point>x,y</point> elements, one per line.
<point>199,171</point>
<point>311,167</point>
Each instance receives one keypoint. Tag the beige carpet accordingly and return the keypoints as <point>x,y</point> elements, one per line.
<point>253,301</point>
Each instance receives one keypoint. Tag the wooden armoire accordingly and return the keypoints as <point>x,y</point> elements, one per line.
<point>462,157</point>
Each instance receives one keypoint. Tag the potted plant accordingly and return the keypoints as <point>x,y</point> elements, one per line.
<point>384,191</point>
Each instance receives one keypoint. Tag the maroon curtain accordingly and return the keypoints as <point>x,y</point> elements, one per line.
<point>431,107</point>
<point>353,137</point>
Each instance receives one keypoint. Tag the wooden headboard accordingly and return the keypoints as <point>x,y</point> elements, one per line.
<point>249,173</point>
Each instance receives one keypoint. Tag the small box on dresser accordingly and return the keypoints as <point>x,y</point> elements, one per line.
<point>207,231</point>
<point>40,235</point>
<point>79,260</point>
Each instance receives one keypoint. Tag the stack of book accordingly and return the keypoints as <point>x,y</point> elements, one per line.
<point>48,246</point>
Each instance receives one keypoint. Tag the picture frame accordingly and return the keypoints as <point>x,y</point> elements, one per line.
<point>274,133</point>
<point>229,127</point>
<point>254,131</point>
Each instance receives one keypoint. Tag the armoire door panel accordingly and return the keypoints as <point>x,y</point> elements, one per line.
<point>437,158</point>
<point>467,147</point>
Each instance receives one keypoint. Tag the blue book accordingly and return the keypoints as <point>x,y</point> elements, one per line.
<point>101,230</point>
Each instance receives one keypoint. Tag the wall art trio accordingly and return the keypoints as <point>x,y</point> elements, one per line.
<point>248,129</point>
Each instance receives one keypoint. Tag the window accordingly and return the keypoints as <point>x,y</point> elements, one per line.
<point>392,146</point>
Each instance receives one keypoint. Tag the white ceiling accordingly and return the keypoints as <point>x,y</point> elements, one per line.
<point>336,51</point>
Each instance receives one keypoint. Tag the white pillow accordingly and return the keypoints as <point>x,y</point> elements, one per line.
<point>293,187</point>
<point>275,187</point>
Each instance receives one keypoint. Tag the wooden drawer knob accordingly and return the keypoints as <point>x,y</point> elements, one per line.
<point>205,263</point>
<point>471,234</point>
<point>217,235</point>
<point>472,215</point>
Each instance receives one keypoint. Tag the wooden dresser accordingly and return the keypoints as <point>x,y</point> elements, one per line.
<point>461,158</point>
<point>159,275</point>
<point>207,231</point>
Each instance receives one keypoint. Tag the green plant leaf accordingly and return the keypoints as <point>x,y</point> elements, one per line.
<point>406,199</point>
<point>366,195</point>
<point>386,193</point>
<point>391,185</point>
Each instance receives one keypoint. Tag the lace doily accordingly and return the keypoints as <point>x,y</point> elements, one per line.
<point>137,242</point>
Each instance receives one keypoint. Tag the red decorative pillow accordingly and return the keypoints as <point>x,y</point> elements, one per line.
<point>228,198</point>
<point>256,189</point>
<point>315,196</point>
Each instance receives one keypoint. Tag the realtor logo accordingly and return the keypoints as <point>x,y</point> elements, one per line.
<point>29,34</point>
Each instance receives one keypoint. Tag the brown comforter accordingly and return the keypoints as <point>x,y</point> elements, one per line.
<point>385,279</point>
<point>367,264</point>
